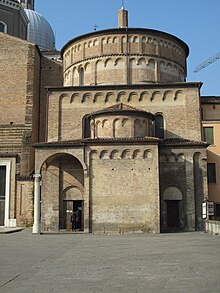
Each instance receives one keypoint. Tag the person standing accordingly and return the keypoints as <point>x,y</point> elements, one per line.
<point>73,220</point>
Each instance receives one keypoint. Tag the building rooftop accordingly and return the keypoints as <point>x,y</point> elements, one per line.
<point>210,99</point>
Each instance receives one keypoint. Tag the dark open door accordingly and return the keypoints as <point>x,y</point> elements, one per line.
<point>70,206</point>
<point>2,194</point>
<point>78,207</point>
<point>173,214</point>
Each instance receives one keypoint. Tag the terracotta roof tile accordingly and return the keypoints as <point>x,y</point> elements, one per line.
<point>121,106</point>
<point>181,141</point>
<point>80,142</point>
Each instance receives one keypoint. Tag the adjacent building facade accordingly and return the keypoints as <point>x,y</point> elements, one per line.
<point>13,19</point>
<point>24,73</point>
<point>211,131</point>
<point>115,137</point>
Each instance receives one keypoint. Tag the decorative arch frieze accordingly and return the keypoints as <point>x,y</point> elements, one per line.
<point>147,154</point>
<point>179,95</point>
<point>156,96</point>
<point>163,158</point>
<point>95,42</point>
<point>120,96</point>
<point>133,61</point>
<point>104,122</point>
<point>86,97</point>
<point>108,40</point>
<point>172,158</point>
<point>87,66</point>
<point>90,43</point>
<point>144,96</point>
<point>74,98</point>
<point>98,96</point>
<point>181,158</point>
<point>107,61</point>
<point>151,63</point>
<point>168,96</point>
<point>115,154</point>
<point>136,154</point>
<point>133,96</point>
<point>93,154</point>
<point>115,40</point>
<point>104,154</point>
<point>110,96</point>
<point>124,154</point>
<point>64,96</point>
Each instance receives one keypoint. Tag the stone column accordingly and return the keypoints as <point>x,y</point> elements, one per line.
<point>190,197</point>
<point>36,226</point>
<point>86,202</point>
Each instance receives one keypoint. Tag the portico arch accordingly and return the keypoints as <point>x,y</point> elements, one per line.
<point>72,193</point>
<point>62,182</point>
<point>172,193</point>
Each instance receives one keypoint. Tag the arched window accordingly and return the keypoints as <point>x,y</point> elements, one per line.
<point>86,126</point>
<point>3,27</point>
<point>159,126</point>
<point>81,76</point>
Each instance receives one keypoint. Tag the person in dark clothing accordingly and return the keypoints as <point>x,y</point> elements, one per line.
<point>73,220</point>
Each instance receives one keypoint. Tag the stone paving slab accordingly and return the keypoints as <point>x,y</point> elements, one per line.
<point>7,230</point>
<point>184,262</point>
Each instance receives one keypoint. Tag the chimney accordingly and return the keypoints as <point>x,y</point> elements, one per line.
<point>122,18</point>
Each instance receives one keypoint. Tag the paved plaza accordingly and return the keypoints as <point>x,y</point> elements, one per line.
<point>184,262</point>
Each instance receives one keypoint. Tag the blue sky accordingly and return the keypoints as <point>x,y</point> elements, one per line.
<point>196,22</point>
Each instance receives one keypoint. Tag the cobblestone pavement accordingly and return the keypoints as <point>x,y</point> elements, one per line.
<point>185,262</point>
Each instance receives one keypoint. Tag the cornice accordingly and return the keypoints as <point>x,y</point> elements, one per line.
<point>12,4</point>
<point>124,87</point>
<point>98,141</point>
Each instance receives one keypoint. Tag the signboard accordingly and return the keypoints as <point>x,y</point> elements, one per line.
<point>204,210</point>
<point>211,209</point>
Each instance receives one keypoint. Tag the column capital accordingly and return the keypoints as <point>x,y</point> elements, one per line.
<point>37,177</point>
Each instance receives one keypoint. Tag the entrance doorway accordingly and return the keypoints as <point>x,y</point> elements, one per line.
<point>2,194</point>
<point>173,214</point>
<point>70,206</point>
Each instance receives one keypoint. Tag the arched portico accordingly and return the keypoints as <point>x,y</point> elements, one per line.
<point>59,181</point>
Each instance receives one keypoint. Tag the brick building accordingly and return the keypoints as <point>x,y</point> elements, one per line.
<point>25,71</point>
<point>116,135</point>
<point>210,106</point>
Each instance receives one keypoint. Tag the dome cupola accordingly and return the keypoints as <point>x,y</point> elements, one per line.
<point>40,31</point>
